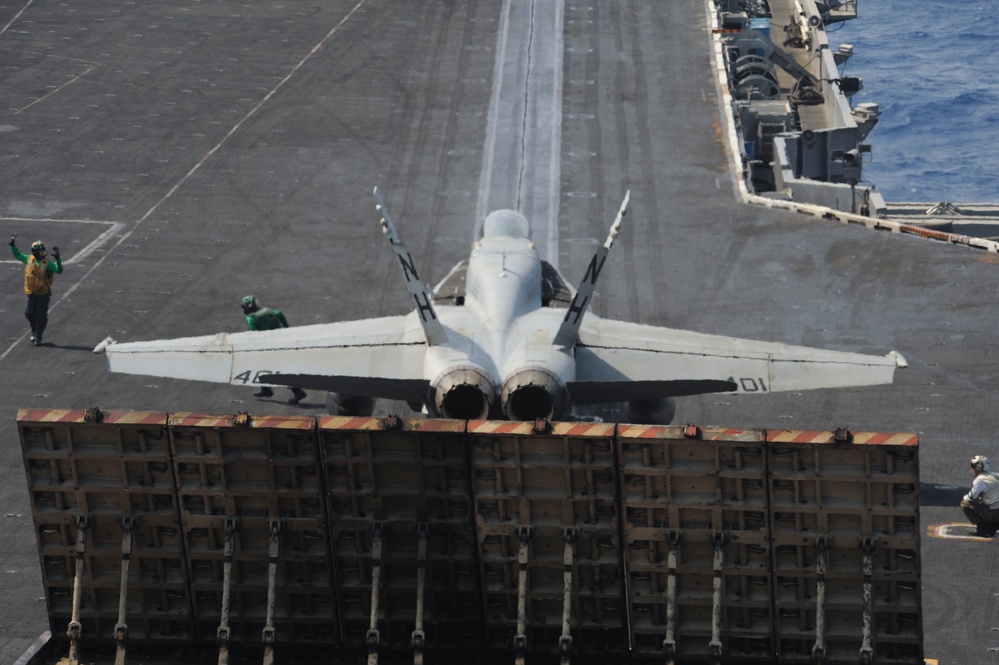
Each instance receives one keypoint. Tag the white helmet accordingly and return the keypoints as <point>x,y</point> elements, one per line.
<point>980,463</point>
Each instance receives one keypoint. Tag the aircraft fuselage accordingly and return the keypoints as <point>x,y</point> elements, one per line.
<point>500,340</point>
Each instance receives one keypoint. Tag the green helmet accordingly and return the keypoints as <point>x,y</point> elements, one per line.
<point>38,248</point>
<point>250,304</point>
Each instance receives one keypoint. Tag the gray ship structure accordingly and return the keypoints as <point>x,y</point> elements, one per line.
<point>794,135</point>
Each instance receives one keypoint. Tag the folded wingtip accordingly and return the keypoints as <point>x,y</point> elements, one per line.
<point>899,359</point>
<point>104,344</point>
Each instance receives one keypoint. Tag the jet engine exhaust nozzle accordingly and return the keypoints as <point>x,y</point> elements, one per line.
<point>532,394</point>
<point>464,394</point>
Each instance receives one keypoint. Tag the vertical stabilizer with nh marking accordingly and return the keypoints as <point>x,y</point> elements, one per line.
<point>567,332</point>
<point>432,327</point>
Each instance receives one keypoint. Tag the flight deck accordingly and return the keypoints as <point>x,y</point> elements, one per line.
<point>183,155</point>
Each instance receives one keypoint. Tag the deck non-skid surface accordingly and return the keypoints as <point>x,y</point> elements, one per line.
<point>185,154</point>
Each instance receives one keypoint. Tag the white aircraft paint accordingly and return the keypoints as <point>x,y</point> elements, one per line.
<point>514,342</point>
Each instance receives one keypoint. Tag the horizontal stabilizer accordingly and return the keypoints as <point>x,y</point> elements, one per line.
<point>625,391</point>
<point>384,354</point>
<point>614,353</point>
<point>409,390</point>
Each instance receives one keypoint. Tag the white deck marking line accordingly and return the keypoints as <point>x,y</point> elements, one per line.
<point>16,16</point>
<point>194,169</point>
<point>58,89</point>
<point>114,227</point>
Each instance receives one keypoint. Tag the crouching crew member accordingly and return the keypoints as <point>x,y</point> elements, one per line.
<point>981,504</point>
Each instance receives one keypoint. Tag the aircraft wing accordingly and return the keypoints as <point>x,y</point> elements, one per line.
<point>620,361</point>
<point>380,357</point>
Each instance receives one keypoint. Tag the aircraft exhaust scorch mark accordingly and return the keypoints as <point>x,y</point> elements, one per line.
<point>502,336</point>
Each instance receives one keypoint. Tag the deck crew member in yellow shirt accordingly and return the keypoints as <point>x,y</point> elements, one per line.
<point>39,273</point>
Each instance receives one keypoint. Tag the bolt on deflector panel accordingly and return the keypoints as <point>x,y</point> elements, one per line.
<point>107,475</point>
<point>862,500</point>
<point>388,541</point>
<point>250,494</point>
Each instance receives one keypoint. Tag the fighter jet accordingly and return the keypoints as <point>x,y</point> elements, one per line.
<point>502,336</point>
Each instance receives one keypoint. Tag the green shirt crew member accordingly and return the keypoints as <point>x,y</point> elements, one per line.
<point>39,273</point>
<point>267,318</point>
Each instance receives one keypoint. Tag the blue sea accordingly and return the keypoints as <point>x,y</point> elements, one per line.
<point>933,68</point>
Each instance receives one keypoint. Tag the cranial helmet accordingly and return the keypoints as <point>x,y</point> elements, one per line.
<point>250,304</point>
<point>980,463</point>
<point>38,248</point>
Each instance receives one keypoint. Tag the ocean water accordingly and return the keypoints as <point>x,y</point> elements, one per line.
<point>933,68</point>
